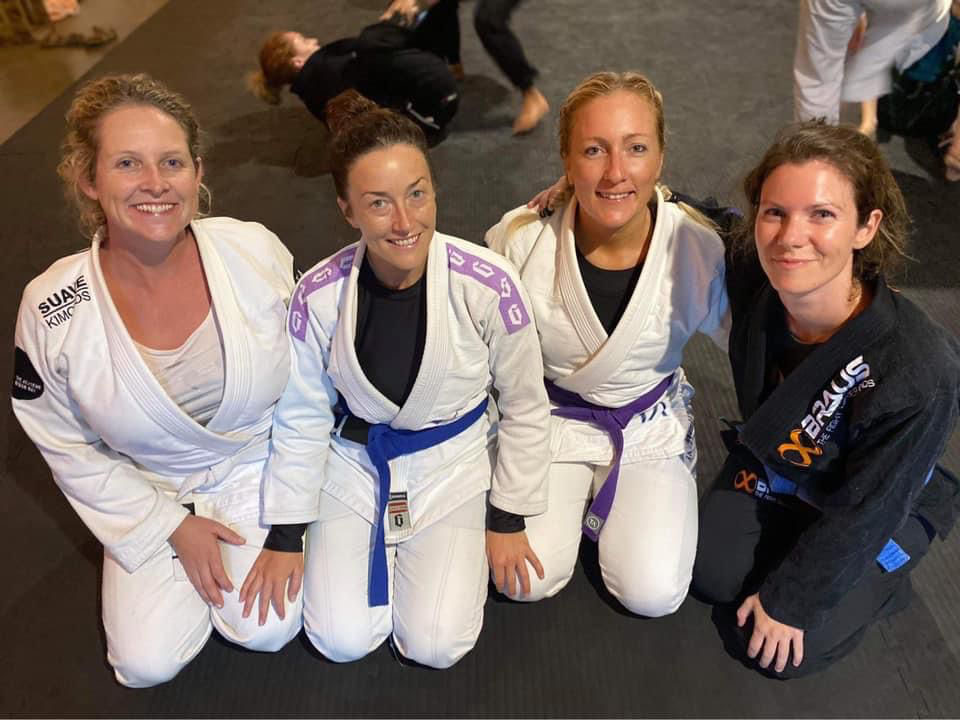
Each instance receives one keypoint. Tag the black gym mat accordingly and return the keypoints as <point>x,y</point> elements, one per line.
<point>724,68</point>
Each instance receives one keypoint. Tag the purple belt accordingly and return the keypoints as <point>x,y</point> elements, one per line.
<point>613,421</point>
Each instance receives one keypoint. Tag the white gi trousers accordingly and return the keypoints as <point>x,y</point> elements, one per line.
<point>156,622</point>
<point>899,32</point>
<point>437,586</point>
<point>647,545</point>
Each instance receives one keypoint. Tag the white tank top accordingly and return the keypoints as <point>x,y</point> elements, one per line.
<point>192,374</point>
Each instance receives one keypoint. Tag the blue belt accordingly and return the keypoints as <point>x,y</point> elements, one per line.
<point>385,443</point>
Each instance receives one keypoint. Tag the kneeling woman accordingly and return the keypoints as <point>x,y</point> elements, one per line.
<point>382,438</point>
<point>619,280</point>
<point>147,370</point>
<point>831,494</point>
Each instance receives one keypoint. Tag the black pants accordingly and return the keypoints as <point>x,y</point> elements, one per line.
<point>742,539</point>
<point>439,31</point>
<point>491,20</point>
<point>394,71</point>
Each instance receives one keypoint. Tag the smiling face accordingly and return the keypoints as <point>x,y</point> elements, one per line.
<point>807,229</point>
<point>144,178</point>
<point>391,201</point>
<point>613,160</point>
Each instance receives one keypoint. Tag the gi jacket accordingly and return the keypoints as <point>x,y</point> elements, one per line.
<point>858,426</point>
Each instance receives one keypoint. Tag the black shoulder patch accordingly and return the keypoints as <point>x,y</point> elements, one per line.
<point>27,384</point>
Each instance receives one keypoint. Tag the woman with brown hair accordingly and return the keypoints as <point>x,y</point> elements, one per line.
<point>620,278</point>
<point>147,370</point>
<point>386,438</point>
<point>831,493</point>
<point>394,66</point>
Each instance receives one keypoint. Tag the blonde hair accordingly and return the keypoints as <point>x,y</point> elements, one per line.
<point>92,102</point>
<point>276,68</point>
<point>601,84</point>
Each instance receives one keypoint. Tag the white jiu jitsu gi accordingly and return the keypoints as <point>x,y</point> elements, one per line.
<point>898,34</point>
<point>647,545</point>
<point>128,458</point>
<point>479,336</point>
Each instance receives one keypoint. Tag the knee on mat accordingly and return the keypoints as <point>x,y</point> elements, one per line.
<point>343,647</point>
<point>649,595</point>
<point>440,649</point>
<point>140,669</point>
<point>714,583</point>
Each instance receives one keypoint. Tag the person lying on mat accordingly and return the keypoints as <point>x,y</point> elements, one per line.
<point>831,493</point>
<point>147,370</point>
<point>620,279</point>
<point>386,438</point>
<point>399,67</point>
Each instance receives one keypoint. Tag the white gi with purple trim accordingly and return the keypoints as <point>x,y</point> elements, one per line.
<point>648,542</point>
<point>479,336</point>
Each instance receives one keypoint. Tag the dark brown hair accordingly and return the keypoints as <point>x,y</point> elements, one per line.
<point>858,159</point>
<point>360,125</point>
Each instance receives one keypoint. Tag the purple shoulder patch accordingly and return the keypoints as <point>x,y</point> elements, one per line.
<point>336,268</point>
<point>514,314</point>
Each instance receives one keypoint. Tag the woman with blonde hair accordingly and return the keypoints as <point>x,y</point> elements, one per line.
<point>831,493</point>
<point>394,66</point>
<point>147,370</point>
<point>619,279</point>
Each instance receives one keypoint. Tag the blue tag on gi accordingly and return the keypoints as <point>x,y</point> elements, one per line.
<point>892,556</point>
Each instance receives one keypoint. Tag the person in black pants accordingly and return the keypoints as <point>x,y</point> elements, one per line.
<point>831,492</point>
<point>491,20</point>
<point>402,68</point>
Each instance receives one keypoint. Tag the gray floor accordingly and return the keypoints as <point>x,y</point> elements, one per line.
<point>724,68</point>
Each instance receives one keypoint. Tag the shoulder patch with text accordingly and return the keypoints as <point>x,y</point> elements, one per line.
<point>512,311</point>
<point>58,307</point>
<point>27,383</point>
<point>336,268</point>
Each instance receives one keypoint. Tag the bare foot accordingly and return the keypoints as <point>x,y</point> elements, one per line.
<point>456,69</point>
<point>534,107</point>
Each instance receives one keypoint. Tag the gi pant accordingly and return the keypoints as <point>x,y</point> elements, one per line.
<point>742,539</point>
<point>437,583</point>
<point>156,622</point>
<point>647,545</point>
<point>898,33</point>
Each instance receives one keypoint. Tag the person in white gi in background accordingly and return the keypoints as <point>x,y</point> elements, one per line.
<point>619,281</point>
<point>382,438</point>
<point>846,50</point>
<point>147,370</point>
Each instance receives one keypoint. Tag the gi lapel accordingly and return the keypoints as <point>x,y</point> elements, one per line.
<point>417,411</point>
<point>608,353</point>
<point>134,374</point>
<point>778,419</point>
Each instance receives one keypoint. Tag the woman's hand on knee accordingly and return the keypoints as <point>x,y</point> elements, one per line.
<point>508,555</point>
<point>273,571</point>
<point>196,543</point>
<point>546,201</point>
<point>775,639</point>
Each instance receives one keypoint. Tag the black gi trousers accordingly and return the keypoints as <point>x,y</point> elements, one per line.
<point>743,538</point>
<point>491,19</point>
<point>395,69</point>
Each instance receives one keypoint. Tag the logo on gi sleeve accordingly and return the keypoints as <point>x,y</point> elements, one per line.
<point>27,383</point>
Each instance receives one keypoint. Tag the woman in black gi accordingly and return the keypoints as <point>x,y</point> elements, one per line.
<point>398,67</point>
<point>831,493</point>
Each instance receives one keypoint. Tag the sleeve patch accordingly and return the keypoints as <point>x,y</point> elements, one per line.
<point>27,383</point>
<point>512,311</point>
<point>338,267</point>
